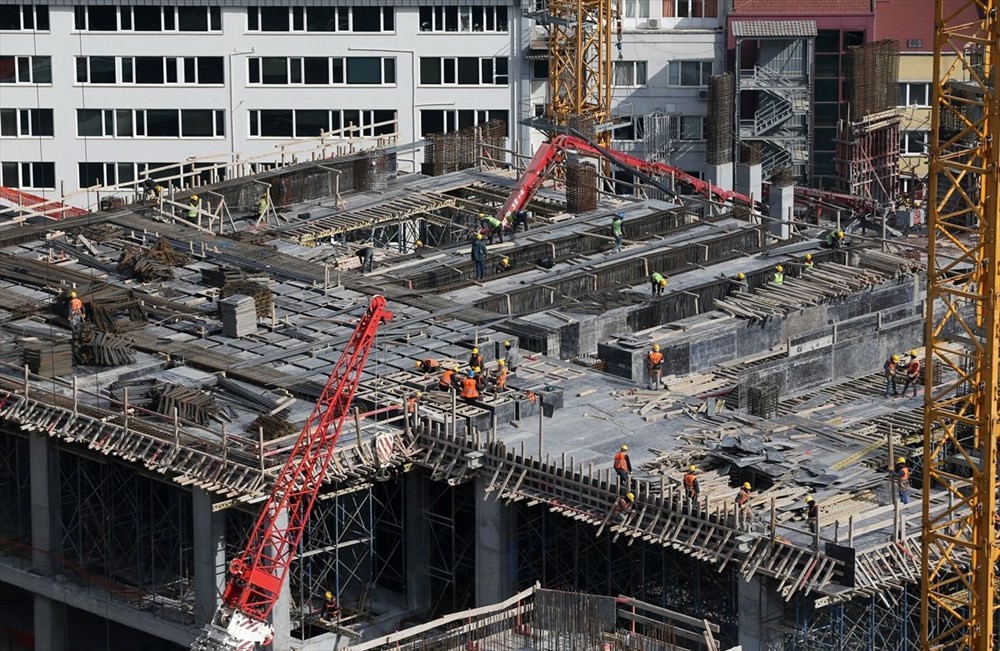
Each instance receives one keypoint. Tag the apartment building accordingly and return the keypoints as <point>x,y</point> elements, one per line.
<point>94,94</point>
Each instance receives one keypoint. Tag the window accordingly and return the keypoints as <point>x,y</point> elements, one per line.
<point>25,70</point>
<point>29,176</point>
<point>637,8</point>
<point>690,8</point>
<point>150,70</point>
<point>17,123</point>
<point>463,71</point>
<point>322,71</point>
<point>463,19</point>
<point>310,123</point>
<point>688,127</point>
<point>108,18</point>
<point>436,121</point>
<point>540,69</point>
<point>629,73</point>
<point>632,132</point>
<point>914,94</point>
<point>17,18</point>
<point>689,73</point>
<point>914,143</point>
<point>321,19</point>
<point>150,123</point>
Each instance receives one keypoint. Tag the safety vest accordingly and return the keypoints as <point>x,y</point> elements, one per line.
<point>689,481</point>
<point>890,367</point>
<point>470,389</point>
<point>657,277</point>
<point>913,369</point>
<point>778,277</point>
<point>493,222</point>
<point>621,461</point>
<point>262,206</point>
<point>193,210</point>
<point>616,228</point>
<point>904,475</point>
<point>446,378</point>
<point>655,359</point>
<point>75,306</point>
<point>808,264</point>
<point>743,497</point>
<point>428,365</point>
<point>502,378</point>
<point>475,361</point>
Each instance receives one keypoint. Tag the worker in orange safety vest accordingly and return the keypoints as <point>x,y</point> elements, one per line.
<point>470,388</point>
<point>654,367</point>
<point>427,365</point>
<point>691,488</point>
<point>475,359</point>
<point>500,379</point>
<point>447,381</point>
<point>623,466</point>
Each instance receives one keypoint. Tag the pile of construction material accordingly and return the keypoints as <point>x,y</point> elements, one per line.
<point>261,295</point>
<point>221,276</point>
<point>189,404</point>
<point>154,263</point>
<point>239,316</point>
<point>94,348</point>
<point>273,427</point>
<point>48,359</point>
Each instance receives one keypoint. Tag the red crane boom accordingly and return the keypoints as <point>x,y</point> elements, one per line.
<point>257,575</point>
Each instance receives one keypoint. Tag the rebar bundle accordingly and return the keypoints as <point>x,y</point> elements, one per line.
<point>763,400</point>
<point>151,264</point>
<point>721,102</point>
<point>459,150</point>
<point>581,187</point>
<point>370,171</point>
<point>874,75</point>
<point>260,293</point>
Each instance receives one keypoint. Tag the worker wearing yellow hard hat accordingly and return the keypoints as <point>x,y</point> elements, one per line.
<point>779,275</point>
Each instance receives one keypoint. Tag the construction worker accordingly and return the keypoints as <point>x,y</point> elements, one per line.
<point>623,466</point>
<point>149,189</point>
<point>623,505</point>
<point>912,373</point>
<point>470,389</point>
<point>890,367</point>
<point>743,499</point>
<point>500,379</point>
<point>417,246</point>
<point>475,359</point>
<point>262,205</point>
<point>447,380</point>
<point>691,488</point>
<point>616,230</point>
<point>901,474</point>
<point>738,284</point>
<point>480,378</point>
<point>520,219</point>
<point>779,275</point>
<point>808,264</point>
<point>76,314</point>
<point>511,357</point>
<point>835,239</point>
<point>658,282</point>
<point>504,265</point>
<point>493,225</point>
<point>366,258</point>
<point>479,256</point>
<point>330,608</point>
<point>812,513</point>
<point>194,203</point>
<point>428,365</point>
<point>654,367</point>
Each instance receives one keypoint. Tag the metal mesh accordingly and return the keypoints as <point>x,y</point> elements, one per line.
<point>873,77</point>
<point>459,150</point>
<point>762,400</point>
<point>581,187</point>
<point>721,101</point>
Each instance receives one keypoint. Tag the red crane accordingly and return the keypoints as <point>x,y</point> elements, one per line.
<point>553,152</point>
<point>257,575</point>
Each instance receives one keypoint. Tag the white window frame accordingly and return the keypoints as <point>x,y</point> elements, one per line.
<point>690,10</point>
<point>919,139</point>
<point>366,127</point>
<point>467,19</point>
<point>25,175</point>
<point>908,93</point>
<point>110,119</point>
<point>173,67</point>
<point>298,22</point>
<point>33,10</point>
<point>675,70</point>
<point>678,130</point>
<point>636,8</point>
<point>452,62</point>
<point>295,67</point>
<point>480,116</point>
<point>635,72</point>
<point>22,123</point>
<point>18,80</point>
<point>638,125</point>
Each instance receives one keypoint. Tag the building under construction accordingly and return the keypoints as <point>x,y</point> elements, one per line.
<point>138,447</point>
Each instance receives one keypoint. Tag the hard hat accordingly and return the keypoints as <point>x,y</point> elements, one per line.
<point>663,283</point>
<point>479,236</point>
<point>475,369</point>
<point>482,215</point>
<point>505,259</point>
<point>631,496</point>
<point>328,595</point>
<point>470,373</point>
<point>809,256</point>
<point>500,362</point>
<point>840,235</point>
<point>691,468</point>
<point>418,394</point>
<point>159,188</point>
<point>901,460</point>
<point>895,358</point>
<point>741,276</point>
<point>72,294</point>
<point>194,197</point>
<point>418,243</point>
<point>624,448</point>
<point>656,346</point>
<point>913,353</point>
<point>809,499</point>
<point>475,351</point>
<point>779,268</point>
<point>507,343</point>
<point>746,485</point>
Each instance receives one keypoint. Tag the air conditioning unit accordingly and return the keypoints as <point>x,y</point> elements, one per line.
<point>653,23</point>
<point>703,94</point>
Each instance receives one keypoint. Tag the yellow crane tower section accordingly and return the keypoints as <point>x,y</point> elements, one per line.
<point>959,602</point>
<point>579,49</point>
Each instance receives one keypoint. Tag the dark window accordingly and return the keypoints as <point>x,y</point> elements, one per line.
<point>43,175</point>
<point>468,71</point>
<point>388,19</point>
<point>79,18</point>
<point>42,18</point>
<point>540,69</point>
<point>197,123</point>
<point>254,71</point>
<point>430,71</point>
<point>147,19</point>
<point>352,119</point>
<point>385,116</point>
<point>274,19</point>
<point>126,172</point>
<point>123,123</point>
<point>364,70</point>
<point>449,71</point>
<point>426,19</point>
<point>389,66</point>
<point>466,119</point>
<point>41,122</point>
<point>827,65</point>
<point>253,19</point>
<point>171,69</point>
<point>41,70</point>
<point>162,123</point>
<point>311,123</point>
<point>335,124</point>
<point>501,19</point>
<point>10,17</point>
<point>102,70</point>
<point>215,19</point>
<point>276,124</point>
<point>92,174</point>
<point>298,22</point>
<point>220,123</point>
<point>168,19</point>
<point>9,175</point>
<point>431,122</point>
<point>828,40</point>
<point>321,19</point>
<point>149,70</point>
<point>211,70</point>
<point>274,70</point>
<point>827,90</point>
<point>501,71</point>
<point>8,122</point>
<point>853,38</point>
<point>450,19</point>
<point>344,20</point>
<point>338,71</point>
<point>192,19</point>
<point>317,70</point>
<point>102,18</point>
<point>125,18</point>
<point>367,19</point>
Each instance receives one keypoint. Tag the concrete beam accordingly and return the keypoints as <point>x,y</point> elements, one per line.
<point>494,572</point>
<point>46,524</point>
<point>94,600</point>
<point>209,529</point>
<point>50,624</point>
<point>417,550</point>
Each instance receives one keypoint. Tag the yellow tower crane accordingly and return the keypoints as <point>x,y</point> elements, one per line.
<point>959,602</point>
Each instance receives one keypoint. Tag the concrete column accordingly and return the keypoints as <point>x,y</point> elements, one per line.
<point>418,593</point>
<point>50,624</point>
<point>722,176</point>
<point>782,203</point>
<point>46,539</point>
<point>494,571</point>
<point>750,180</point>
<point>761,612</point>
<point>209,555</point>
<point>281,616</point>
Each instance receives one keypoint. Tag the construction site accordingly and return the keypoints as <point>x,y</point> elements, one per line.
<point>216,431</point>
